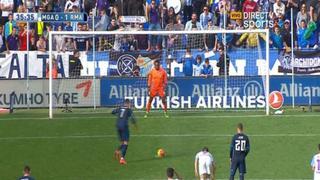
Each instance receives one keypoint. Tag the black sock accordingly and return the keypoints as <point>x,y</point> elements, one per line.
<point>241,176</point>
<point>124,148</point>
<point>231,177</point>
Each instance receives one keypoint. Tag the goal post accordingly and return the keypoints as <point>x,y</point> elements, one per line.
<point>254,61</point>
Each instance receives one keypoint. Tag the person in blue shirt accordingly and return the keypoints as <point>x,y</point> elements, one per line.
<point>124,114</point>
<point>276,39</point>
<point>302,42</point>
<point>239,149</point>
<point>26,174</point>
<point>188,62</point>
<point>207,70</point>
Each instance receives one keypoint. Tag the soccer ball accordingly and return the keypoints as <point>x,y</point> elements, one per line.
<point>161,153</point>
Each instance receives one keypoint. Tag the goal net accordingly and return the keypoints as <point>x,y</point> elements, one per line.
<point>216,70</point>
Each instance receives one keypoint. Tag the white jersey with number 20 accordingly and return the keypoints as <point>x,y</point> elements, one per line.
<point>315,164</point>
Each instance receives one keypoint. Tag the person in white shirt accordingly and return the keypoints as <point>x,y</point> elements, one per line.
<point>197,67</point>
<point>7,7</point>
<point>315,165</point>
<point>279,8</point>
<point>204,165</point>
<point>70,4</point>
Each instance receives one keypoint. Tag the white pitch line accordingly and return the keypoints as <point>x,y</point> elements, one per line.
<point>108,116</point>
<point>150,135</point>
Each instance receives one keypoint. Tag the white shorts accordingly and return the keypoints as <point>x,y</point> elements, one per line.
<point>205,167</point>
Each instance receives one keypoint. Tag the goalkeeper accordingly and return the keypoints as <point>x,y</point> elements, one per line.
<point>157,83</point>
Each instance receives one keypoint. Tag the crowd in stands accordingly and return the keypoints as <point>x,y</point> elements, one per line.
<point>193,15</point>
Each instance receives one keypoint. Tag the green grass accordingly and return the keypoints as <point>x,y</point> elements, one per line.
<point>80,145</point>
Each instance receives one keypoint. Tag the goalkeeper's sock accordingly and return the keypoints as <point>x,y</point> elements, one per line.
<point>148,106</point>
<point>124,148</point>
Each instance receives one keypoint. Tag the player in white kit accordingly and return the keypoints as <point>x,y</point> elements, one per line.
<point>204,165</point>
<point>315,165</point>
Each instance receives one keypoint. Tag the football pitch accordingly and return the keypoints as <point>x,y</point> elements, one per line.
<point>80,145</point>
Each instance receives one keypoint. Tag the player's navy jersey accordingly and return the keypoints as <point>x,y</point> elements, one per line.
<point>240,146</point>
<point>26,178</point>
<point>124,114</point>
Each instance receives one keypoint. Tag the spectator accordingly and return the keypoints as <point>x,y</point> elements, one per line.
<point>40,26</point>
<point>141,39</point>
<point>102,25</point>
<point>23,39</point>
<point>69,5</point>
<point>294,4</point>
<point>188,62</point>
<point>193,23</point>
<point>204,165</point>
<point>154,24</point>
<point>224,9</point>
<point>206,70</point>
<point>46,32</point>
<point>13,40</point>
<point>81,43</point>
<point>8,27</point>
<point>68,27</point>
<point>286,35</point>
<point>59,41</point>
<point>249,6</point>
<point>211,40</point>
<point>187,10</point>
<point>2,41</point>
<point>115,13</point>
<point>6,7</point>
<point>32,44</point>
<point>103,5</point>
<point>21,24</point>
<point>30,4</point>
<point>224,62</point>
<point>314,12</point>
<point>171,37</point>
<point>113,25</point>
<point>252,39</point>
<point>197,68</point>
<point>69,45</point>
<point>198,5</point>
<point>26,174</point>
<point>276,38</point>
<point>205,17</point>
<point>54,70</point>
<point>172,174</point>
<point>302,15</point>
<point>58,5</point>
<point>41,44</point>
<point>170,15</point>
<point>135,71</point>
<point>302,42</point>
<point>135,8</point>
<point>279,8</point>
<point>178,26</point>
<point>75,65</point>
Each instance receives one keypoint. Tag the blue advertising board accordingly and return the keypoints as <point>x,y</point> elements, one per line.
<point>242,92</point>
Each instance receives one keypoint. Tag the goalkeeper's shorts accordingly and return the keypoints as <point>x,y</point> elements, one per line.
<point>157,92</point>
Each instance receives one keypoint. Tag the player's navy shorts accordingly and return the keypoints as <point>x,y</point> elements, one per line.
<point>238,164</point>
<point>123,134</point>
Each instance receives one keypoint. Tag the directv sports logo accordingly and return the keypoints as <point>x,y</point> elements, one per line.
<point>253,19</point>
